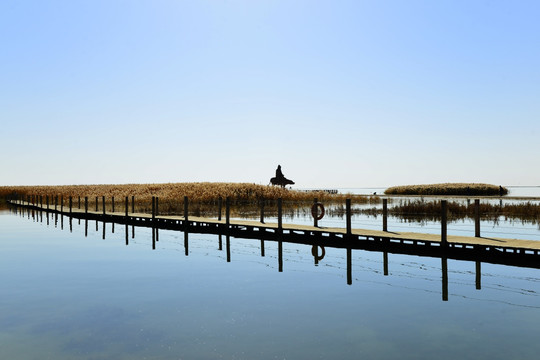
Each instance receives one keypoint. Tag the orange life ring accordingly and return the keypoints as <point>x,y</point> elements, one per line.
<point>315,211</point>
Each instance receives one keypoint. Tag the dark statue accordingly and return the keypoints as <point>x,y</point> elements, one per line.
<point>280,179</point>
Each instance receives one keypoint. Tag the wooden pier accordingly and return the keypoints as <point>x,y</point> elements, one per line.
<point>524,253</point>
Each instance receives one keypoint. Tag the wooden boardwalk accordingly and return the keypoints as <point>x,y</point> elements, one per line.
<point>495,250</point>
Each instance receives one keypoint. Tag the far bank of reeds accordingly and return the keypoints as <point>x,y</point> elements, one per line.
<point>465,189</point>
<point>203,197</point>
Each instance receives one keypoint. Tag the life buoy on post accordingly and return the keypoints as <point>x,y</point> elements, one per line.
<point>315,211</point>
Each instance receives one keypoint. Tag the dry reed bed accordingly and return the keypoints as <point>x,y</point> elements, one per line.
<point>203,196</point>
<point>448,189</point>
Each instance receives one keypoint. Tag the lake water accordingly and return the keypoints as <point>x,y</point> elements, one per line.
<point>70,296</point>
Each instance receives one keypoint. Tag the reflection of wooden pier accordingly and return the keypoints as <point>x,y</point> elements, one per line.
<point>522,253</point>
<point>514,252</point>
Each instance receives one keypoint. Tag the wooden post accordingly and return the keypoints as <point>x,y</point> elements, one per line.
<point>186,209</point>
<point>127,208</point>
<point>112,204</point>
<point>70,204</point>
<point>444,241</point>
<point>103,202</point>
<point>41,201</point>
<point>348,214</point>
<point>262,211</point>
<point>133,204</point>
<point>315,221</point>
<point>153,209</point>
<point>55,202</point>
<point>385,215</point>
<point>47,202</point>
<point>62,203</point>
<point>220,201</point>
<point>157,206</point>
<point>477,217</point>
<point>96,203</point>
<point>86,208</point>
<point>280,213</point>
<point>227,212</point>
<point>79,202</point>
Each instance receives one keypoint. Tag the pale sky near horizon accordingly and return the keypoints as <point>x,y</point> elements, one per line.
<point>340,93</point>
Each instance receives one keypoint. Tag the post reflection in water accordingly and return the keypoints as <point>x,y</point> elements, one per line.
<point>186,243</point>
<point>478,276</point>
<point>444,267</point>
<point>280,256</point>
<point>349,266</point>
<point>385,261</point>
<point>317,250</point>
<point>228,247</point>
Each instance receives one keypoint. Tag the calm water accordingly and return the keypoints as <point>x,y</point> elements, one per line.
<point>70,296</point>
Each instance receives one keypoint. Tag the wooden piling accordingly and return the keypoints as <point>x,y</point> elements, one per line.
<point>477,217</point>
<point>103,202</point>
<point>220,201</point>
<point>70,204</point>
<point>227,213</point>
<point>280,215</point>
<point>86,207</point>
<point>127,208</point>
<point>112,203</point>
<point>262,211</point>
<point>132,204</point>
<point>186,209</point>
<point>62,203</point>
<point>96,203</point>
<point>444,240</point>
<point>79,202</point>
<point>315,221</point>
<point>348,214</point>
<point>153,209</point>
<point>385,214</point>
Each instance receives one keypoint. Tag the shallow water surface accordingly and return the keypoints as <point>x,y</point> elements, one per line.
<point>71,296</point>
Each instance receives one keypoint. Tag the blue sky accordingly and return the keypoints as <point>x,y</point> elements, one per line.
<point>340,93</point>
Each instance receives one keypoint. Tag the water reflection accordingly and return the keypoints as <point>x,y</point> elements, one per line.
<point>316,249</point>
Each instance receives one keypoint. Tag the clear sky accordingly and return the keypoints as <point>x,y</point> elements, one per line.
<point>340,93</point>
